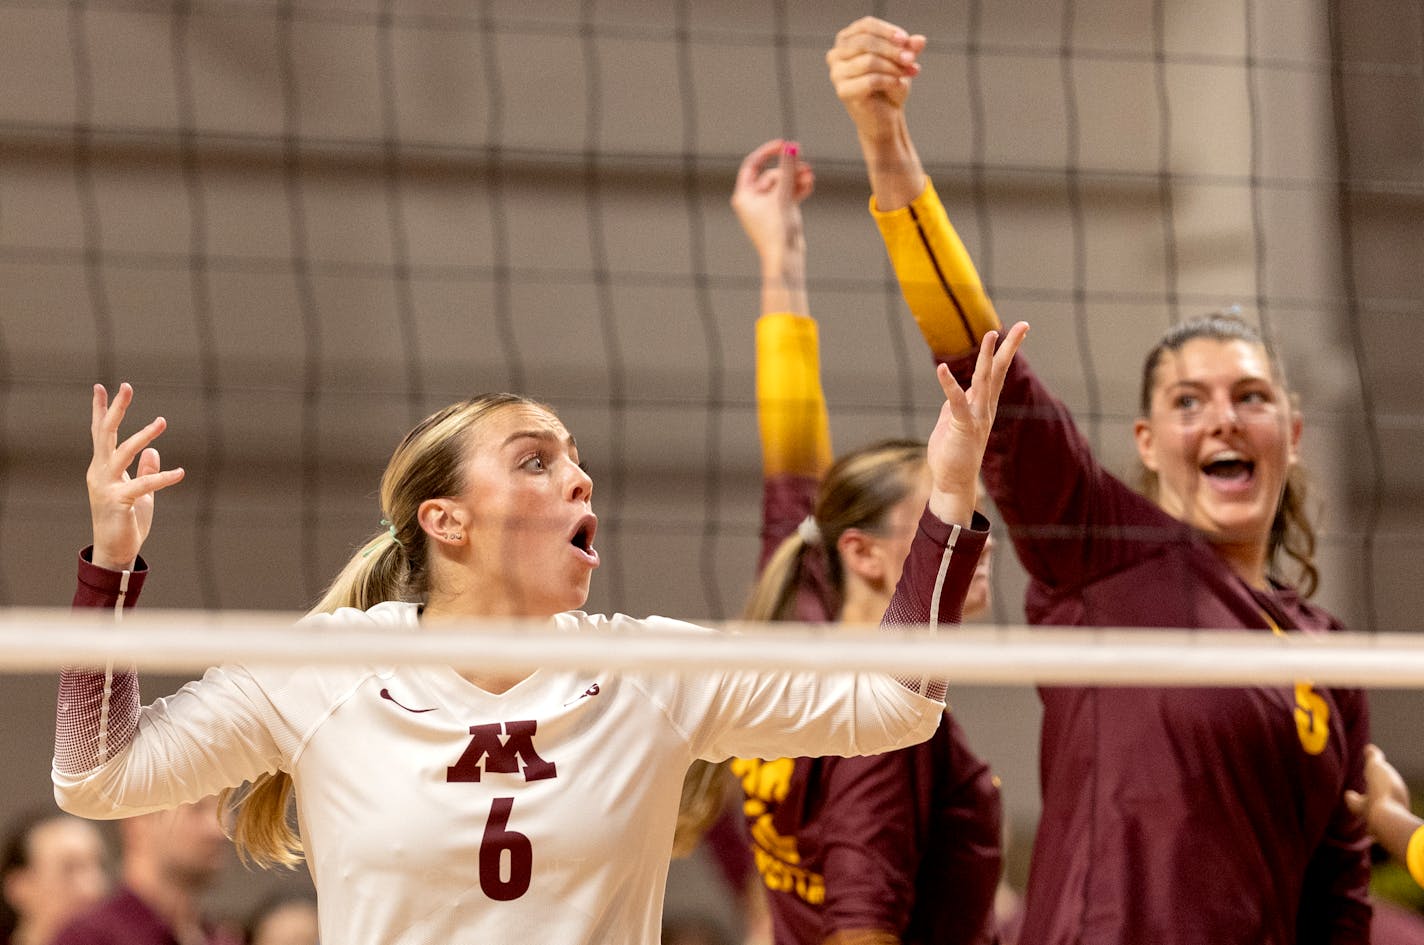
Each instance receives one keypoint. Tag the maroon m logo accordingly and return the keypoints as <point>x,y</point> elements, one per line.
<point>488,753</point>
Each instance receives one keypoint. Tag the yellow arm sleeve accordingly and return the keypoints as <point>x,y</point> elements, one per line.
<point>937,277</point>
<point>791,407</point>
<point>1414,857</point>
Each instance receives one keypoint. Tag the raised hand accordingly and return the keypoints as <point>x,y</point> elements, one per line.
<point>767,198</point>
<point>962,432</point>
<point>120,505</point>
<point>872,65</point>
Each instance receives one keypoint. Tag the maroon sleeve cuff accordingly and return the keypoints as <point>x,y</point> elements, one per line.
<point>930,568</point>
<point>968,547</point>
<point>100,587</point>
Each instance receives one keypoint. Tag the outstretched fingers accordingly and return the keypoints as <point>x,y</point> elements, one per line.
<point>125,453</point>
<point>794,178</point>
<point>1003,356</point>
<point>105,417</point>
<point>152,477</point>
<point>991,367</point>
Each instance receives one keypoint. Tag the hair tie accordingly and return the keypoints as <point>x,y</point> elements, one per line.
<point>809,531</point>
<point>394,537</point>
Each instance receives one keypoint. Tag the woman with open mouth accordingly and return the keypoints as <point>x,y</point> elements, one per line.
<point>1170,816</point>
<point>466,804</point>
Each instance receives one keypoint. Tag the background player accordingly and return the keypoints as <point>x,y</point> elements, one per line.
<point>52,867</point>
<point>1169,815</point>
<point>896,847</point>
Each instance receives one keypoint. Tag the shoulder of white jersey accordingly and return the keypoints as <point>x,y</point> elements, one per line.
<point>577,619</point>
<point>390,613</point>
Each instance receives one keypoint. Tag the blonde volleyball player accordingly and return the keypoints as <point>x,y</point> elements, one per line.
<point>884,849</point>
<point>459,804</point>
<point>1171,816</point>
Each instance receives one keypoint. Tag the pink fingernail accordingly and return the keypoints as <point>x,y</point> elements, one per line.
<point>792,149</point>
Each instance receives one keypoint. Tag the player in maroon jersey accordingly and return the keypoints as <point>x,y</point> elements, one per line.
<point>899,847</point>
<point>1171,816</point>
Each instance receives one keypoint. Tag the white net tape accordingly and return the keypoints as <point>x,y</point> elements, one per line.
<point>39,640</point>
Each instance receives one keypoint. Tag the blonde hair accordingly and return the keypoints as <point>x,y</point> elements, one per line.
<point>1292,532</point>
<point>391,565</point>
<point>859,491</point>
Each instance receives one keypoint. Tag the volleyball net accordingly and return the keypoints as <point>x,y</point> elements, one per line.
<point>39,640</point>
<point>297,227</point>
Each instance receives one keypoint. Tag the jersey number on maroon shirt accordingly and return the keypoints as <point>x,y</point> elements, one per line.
<point>487,753</point>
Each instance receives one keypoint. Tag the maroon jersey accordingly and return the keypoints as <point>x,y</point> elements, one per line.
<point>125,919</point>
<point>906,842</point>
<point>1170,815</point>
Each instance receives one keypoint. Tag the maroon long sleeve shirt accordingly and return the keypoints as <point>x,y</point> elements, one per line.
<point>906,842</point>
<point>1172,816</point>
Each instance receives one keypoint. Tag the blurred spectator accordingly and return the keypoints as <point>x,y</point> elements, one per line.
<point>284,920</point>
<point>53,868</point>
<point>169,860</point>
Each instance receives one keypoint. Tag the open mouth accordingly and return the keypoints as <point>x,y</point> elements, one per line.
<point>582,538</point>
<point>1229,468</point>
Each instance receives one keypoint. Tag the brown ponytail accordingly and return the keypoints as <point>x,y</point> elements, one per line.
<point>859,491</point>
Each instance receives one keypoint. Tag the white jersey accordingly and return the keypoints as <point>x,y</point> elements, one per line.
<point>435,813</point>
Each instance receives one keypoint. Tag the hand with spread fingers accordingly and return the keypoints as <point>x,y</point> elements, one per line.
<point>120,505</point>
<point>767,199</point>
<point>962,432</point>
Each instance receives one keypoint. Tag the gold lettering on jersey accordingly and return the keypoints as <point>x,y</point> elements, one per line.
<point>1312,718</point>
<point>765,784</point>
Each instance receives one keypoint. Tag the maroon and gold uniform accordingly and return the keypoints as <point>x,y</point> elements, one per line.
<point>906,843</point>
<point>1172,816</point>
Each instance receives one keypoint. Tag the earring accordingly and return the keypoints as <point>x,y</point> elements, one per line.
<point>453,536</point>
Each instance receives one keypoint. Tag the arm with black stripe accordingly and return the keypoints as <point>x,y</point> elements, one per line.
<point>792,419</point>
<point>872,66</point>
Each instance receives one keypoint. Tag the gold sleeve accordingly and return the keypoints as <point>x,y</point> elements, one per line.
<point>937,277</point>
<point>1414,857</point>
<point>791,407</point>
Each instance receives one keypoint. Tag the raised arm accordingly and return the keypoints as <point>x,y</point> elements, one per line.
<point>97,711</point>
<point>935,579</point>
<point>1068,525</point>
<point>791,407</point>
<point>872,66</point>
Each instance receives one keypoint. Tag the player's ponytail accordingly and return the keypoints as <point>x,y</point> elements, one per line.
<point>391,565</point>
<point>858,491</point>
